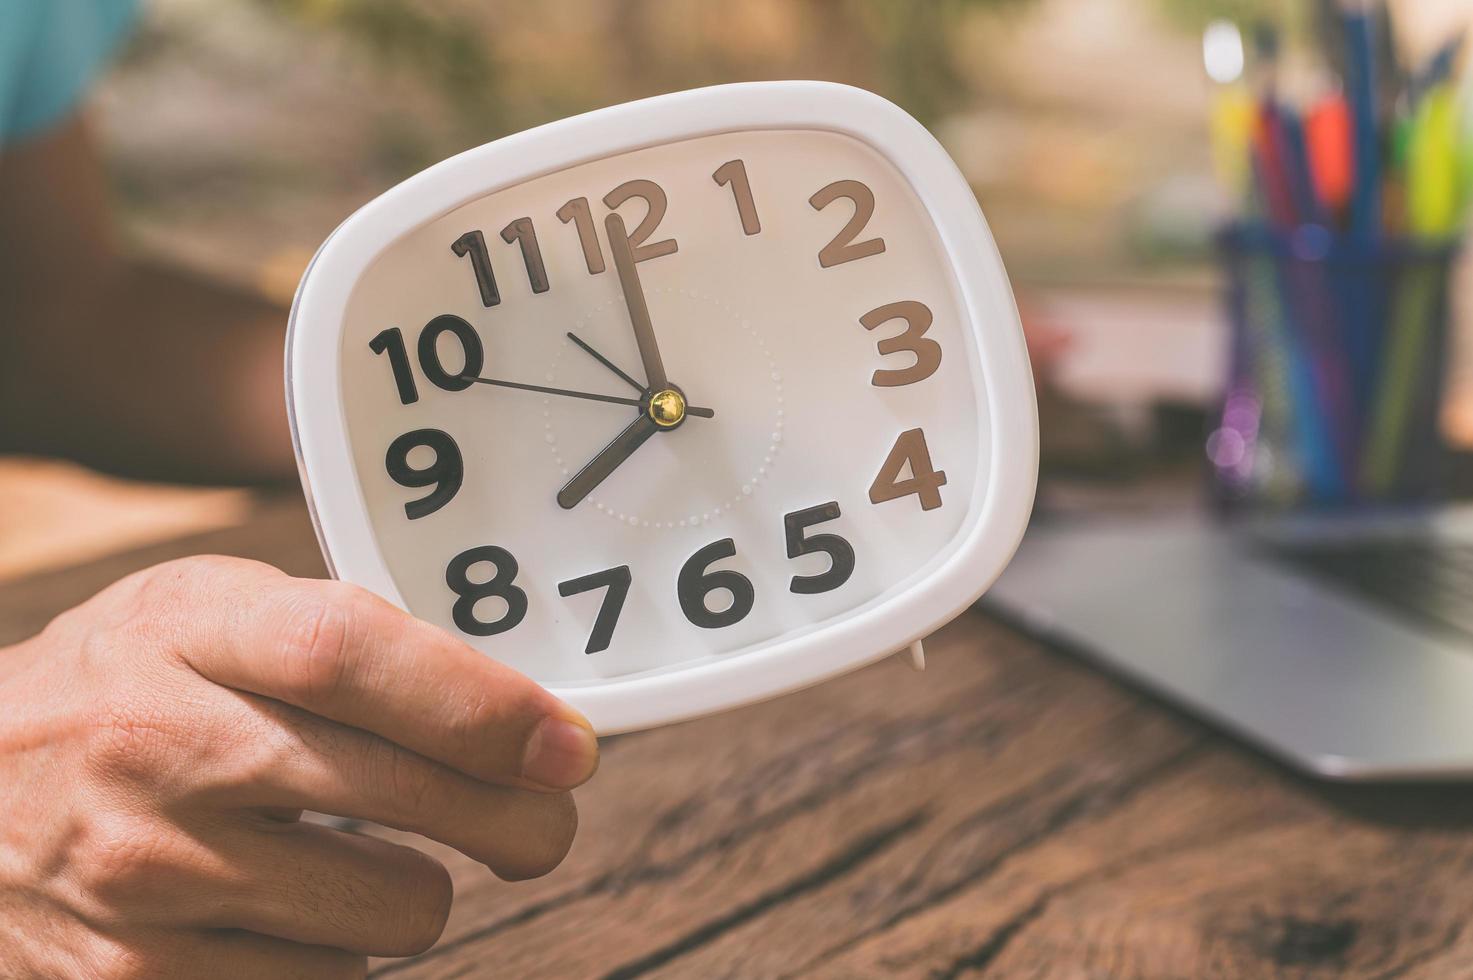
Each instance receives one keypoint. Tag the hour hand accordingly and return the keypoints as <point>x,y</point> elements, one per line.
<point>598,469</point>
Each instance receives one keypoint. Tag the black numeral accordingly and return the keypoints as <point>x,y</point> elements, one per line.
<point>429,353</point>
<point>499,585</point>
<point>840,552</point>
<point>695,583</point>
<point>616,580</point>
<point>445,474</point>
<point>522,232</point>
<point>473,244</point>
<point>392,341</point>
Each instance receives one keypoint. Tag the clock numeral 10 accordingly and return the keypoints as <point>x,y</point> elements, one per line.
<point>694,584</point>
<point>391,342</point>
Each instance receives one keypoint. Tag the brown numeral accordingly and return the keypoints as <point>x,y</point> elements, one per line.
<point>917,319</point>
<point>843,248</point>
<point>734,173</point>
<point>654,198</point>
<point>521,231</point>
<point>577,211</point>
<point>925,481</point>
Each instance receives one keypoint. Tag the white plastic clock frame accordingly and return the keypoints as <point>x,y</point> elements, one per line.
<point>983,545</point>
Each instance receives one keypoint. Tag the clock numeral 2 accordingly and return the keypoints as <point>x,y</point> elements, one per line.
<point>391,341</point>
<point>616,580</point>
<point>925,481</point>
<point>843,248</point>
<point>457,577</point>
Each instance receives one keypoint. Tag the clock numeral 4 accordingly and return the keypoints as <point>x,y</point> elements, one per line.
<point>696,582</point>
<point>499,585</point>
<point>925,481</point>
<point>843,248</point>
<point>616,580</point>
<point>473,356</point>
<point>445,474</point>
<point>917,317</point>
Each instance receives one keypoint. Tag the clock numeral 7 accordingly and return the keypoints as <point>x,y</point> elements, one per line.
<point>391,342</point>
<point>616,580</point>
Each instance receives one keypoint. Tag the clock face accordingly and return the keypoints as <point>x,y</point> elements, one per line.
<point>664,407</point>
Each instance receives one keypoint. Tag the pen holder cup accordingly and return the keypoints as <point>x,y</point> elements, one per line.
<point>1335,377</point>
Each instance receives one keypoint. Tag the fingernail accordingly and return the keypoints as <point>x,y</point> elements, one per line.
<point>560,754</point>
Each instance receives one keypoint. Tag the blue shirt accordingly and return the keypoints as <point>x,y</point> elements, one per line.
<point>50,51</point>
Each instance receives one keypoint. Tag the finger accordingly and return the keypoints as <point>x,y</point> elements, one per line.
<point>319,765</point>
<point>233,955</point>
<point>340,652</point>
<point>316,886</point>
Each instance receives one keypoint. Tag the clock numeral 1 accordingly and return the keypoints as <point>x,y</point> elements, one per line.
<point>925,480</point>
<point>522,232</point>
<point>616,580</point>
<point>457,577</point>
<point>445,474</point>
<point>843,248</point>
<point>734,173</point>
<point>840,552</point>
<point>392,341</point>
<point>695,583</point>
<point>473,244</point>
<point>917,317</point>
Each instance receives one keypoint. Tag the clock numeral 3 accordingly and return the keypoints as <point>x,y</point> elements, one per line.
<point>840,552</point>
<point>734,173</point>
<point>616,580</point>
<point>445,474</point>
<point>696,583</point>
<point>917,317</point>
<point>843,248</point>
<point>925,480</point>
<point>457,577</point>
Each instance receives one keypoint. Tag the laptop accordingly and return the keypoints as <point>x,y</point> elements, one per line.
<point>1343,644</point>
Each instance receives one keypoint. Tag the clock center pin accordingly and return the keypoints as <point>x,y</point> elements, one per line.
<point>667,408</point>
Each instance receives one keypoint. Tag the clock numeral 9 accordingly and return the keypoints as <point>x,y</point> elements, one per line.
<point>499,585</point>
<point>695,583</point>
<point>445,474</point>
<point>391,341</point>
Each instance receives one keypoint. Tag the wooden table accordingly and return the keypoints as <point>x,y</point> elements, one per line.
<point>1009,812</point>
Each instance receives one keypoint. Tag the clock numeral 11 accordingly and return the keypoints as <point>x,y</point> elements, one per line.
<point>694,584</point>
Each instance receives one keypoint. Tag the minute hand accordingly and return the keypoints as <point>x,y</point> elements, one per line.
<point>639,312</point>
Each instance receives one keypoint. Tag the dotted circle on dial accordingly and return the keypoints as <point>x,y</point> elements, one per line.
<point>741,492</point>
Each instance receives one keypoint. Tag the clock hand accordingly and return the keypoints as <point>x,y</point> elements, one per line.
<point>605,361</point>
<point>704,413</point>
<point>598,469</point>
<point>639,312</point>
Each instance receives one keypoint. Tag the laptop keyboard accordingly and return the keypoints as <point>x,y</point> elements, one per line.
<point>1423,579</point>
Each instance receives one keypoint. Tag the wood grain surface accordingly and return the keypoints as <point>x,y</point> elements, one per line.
<point>1010,812</point>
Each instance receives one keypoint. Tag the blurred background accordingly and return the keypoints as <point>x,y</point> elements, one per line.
<point>239,133</point>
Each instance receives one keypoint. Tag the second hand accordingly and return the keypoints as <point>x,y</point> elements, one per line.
<point>704,413</point>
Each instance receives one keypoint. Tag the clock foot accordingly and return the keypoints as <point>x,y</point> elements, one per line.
<point>917,655</point>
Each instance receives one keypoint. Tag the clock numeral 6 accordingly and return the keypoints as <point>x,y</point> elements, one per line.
<point>499,585</point>
<point>925,480</point>
<point>445,474</point>
<point>391,341</point>
<point>696,583</point>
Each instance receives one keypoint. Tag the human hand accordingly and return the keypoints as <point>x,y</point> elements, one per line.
<point>159,743</point>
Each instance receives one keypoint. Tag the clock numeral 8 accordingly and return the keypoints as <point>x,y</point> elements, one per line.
<point>499,585</point>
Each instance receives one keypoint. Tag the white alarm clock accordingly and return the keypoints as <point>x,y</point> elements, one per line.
<point>675,405</point>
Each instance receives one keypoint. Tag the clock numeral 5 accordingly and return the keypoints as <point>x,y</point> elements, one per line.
<point>499,585</point>
<point>616,580</point>
<point>445,474</point>
<point>925,481</point>
<point>840,552</point>
<point>391,341</point>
